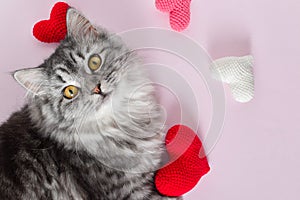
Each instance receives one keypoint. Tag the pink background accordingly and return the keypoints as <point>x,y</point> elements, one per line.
<point>258,155</point>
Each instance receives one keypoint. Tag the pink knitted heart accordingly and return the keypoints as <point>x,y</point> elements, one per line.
<point>166,5</point>
<point>179,12</point>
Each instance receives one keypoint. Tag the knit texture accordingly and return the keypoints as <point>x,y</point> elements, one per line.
<point>237,72</point>
<point>166,5</point>
<point>186,165</point>
<point>54,29</point>
<point>179,12</point>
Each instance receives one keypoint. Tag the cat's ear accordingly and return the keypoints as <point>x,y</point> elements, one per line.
<point>31,79</point>
<point>78,26</point>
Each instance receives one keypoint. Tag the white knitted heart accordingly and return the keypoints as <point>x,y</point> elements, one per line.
<point>237,72</point>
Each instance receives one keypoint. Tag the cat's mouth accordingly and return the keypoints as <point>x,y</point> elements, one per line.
<point>97,90</point>
<point>100,95</point>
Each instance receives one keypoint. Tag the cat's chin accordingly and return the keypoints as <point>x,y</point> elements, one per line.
<point>101,100</point>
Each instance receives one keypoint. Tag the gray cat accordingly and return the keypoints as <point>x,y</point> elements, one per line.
<point>91,128</point>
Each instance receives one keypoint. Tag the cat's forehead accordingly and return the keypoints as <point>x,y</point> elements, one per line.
<point>70,59</point>
<point>84,49</point>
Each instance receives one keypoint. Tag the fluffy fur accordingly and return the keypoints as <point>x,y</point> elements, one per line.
<point>95,146</point>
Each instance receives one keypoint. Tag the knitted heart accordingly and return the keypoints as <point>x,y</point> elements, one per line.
<point>238,73</point>
<point>179,11</point>
<point>54,29</point>
<point>166,5</point>
<point>186,167</point>
<point>180,16</point>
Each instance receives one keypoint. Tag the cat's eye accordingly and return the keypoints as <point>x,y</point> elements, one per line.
<point>70,92</point>
<point>95,62</point>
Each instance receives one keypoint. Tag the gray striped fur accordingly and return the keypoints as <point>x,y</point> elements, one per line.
<point>90,147</point>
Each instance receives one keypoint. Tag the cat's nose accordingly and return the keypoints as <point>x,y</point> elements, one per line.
<point>97,89</point>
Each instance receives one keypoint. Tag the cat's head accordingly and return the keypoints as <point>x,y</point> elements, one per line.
<point>87,70</point>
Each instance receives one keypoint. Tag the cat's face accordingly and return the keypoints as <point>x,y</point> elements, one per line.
<point>81,75</point>
<point>91,94</point>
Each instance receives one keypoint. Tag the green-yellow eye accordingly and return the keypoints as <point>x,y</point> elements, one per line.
<point>95,62</point>
<point>70,92</point>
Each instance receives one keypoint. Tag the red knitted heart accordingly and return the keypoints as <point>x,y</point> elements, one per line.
<point>187,166</point>
<point>54,29</point>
